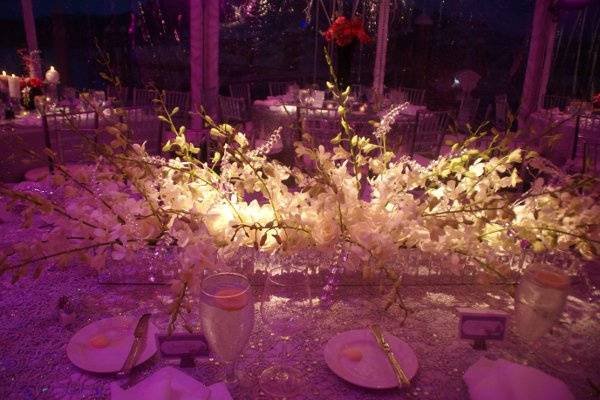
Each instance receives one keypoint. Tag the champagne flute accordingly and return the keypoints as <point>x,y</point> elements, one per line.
<point>227,315</point>
<point>284,307</point>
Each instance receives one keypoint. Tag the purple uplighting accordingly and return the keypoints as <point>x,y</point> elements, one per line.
<point>300,199</point>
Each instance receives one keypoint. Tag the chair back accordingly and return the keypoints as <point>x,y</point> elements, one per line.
<point>177,99</point>
<point>501,103</point>
<point>361,123</point>
<point>241,91</point>
<point>414,96</point>
<point>278,88</point>
<point>232,109</point>
<point>118,95</point>
<point>559,102</point>
<point>591,158</point>
<point>71,135</point>
<point>144,126</point>
<point>359,91</point>
<point>183,101</point>
<point>587,130</point>
<point>143,97</point>
<point>467,111</point>
<point>321,123</point>
<point>429,133</point>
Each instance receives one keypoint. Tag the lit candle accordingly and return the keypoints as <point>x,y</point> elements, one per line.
<point>52,76</point>
<point>3,82</point>
<point>14,87</point>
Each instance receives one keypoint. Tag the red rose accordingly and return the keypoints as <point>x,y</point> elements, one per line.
<point>596,100</point>
<point>343,31</point>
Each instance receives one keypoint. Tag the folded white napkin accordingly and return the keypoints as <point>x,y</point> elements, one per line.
<point>503,380</point>
<point>170,384</point>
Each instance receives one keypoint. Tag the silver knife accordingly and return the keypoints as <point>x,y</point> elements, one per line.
<point>139,340</point>
<point>385,346</point>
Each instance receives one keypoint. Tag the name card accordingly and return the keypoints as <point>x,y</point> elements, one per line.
<point>185,347</point>
<point>481,325</point>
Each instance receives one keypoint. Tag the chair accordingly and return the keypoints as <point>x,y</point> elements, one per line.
<point>591,158</point>
<point>143,97</point>
<point>118,95</point>
<point>587,130</point>
<point>144,126</point>
<point>241,91</point>
<point>556,101</point>
<point>359,91</point>
<point>501,103</point>
<point>414,96</point>
<point>321,123</point>
<point>361,123</point>
<point>429,133</point>
<point>278,88</point>
<point>233,110</point>
<point>182,100</point>
<point>467,112</point>
<point>70,135</point>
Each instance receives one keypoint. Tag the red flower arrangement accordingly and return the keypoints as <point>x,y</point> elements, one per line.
<point>35,83</point>
<point>343,31</point>
<point>596,100</point>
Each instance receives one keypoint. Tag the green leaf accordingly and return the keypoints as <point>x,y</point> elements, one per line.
<point>337,139</point>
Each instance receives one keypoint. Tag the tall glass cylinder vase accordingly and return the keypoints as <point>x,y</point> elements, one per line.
<point>540,299</point>
<point>344,64</point>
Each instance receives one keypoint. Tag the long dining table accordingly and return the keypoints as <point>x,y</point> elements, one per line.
<point>34,362</point>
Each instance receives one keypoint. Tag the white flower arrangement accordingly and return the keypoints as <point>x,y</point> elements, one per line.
<point>470,202</point>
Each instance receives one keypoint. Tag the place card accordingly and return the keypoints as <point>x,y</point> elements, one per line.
<point>481,325</point>
<point>182,346</point>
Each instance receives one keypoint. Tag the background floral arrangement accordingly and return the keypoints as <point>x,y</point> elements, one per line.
<point>343,31</point>
<point>362,197</point>
<point>596,100</point>
<point>30,87</point>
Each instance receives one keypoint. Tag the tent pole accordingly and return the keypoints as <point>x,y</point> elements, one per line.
<point>196,55</point>
<point>540,53</point>
<point>32,43</point>
<point>316,51</point>
<point>381,51</point>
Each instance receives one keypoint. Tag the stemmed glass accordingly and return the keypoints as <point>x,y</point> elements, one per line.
<point>227,315</point>
<point>286,305</point>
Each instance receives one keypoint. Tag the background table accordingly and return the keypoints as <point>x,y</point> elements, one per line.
<point>563,124</point>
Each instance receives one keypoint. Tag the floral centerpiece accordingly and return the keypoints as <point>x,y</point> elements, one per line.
<point>361,197</point>
<point>344,31</point>
<point>30,88</point>
<point>596,102</point>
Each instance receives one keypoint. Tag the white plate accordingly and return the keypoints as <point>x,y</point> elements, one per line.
<point>116,337</point>
<point>373,370</point>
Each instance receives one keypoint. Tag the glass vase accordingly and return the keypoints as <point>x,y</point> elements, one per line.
<point>540,299</point>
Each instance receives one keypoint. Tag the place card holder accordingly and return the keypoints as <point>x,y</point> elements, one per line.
<point>480,325</point>
<point>183,347</point>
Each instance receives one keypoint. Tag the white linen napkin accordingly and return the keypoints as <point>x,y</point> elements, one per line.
<point>170,384</point>
<point>503,380</point>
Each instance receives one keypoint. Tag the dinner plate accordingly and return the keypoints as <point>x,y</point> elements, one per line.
<point>103,345</point>
<point>355,357</point>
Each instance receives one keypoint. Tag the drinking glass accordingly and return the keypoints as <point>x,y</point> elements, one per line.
<point>227,316</point>
<point>540,299</point>
<point>286,305</point>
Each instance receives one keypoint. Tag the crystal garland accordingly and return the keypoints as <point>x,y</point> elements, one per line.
<point>335,274</point>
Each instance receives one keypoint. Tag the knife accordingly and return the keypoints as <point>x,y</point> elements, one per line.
<point>384,345</point>
<point>139,340</point>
